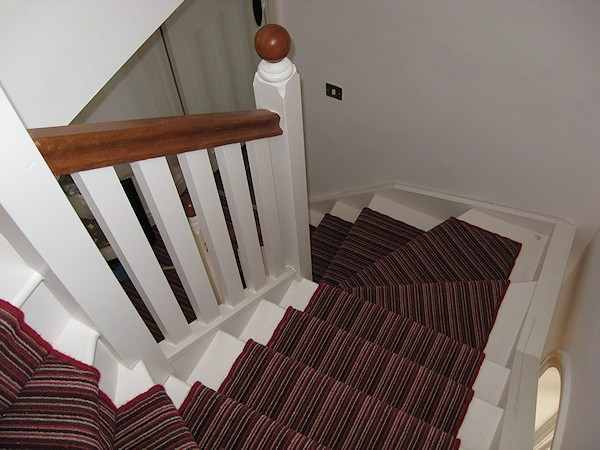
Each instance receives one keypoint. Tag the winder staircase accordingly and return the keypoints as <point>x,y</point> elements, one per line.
<point>391,350</point>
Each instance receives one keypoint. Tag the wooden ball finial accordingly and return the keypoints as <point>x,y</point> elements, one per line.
<point>272,43</point>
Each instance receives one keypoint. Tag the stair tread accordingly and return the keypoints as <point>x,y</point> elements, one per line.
<point>270,383</point>
<point>78,341</point>
<point>463,310</point>
<point>177,390</point>
<point>68,391</point>
<point>452,251</point>
<point>372,236</point>
<point>152,421</point>
<point>480,426</point>
<point>398,334</point>
<point>325,241</point>
<point>373,370</point>
<point>206,410</point>
<point>132,383</point>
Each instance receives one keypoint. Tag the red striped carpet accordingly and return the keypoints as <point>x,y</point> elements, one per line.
<point>372,369</point>
<point>463,310</point>
<point>325,241</point>
<point>452,251</point>
<point>373,236</point>
<point>322,408</point>
<point>384,360</point>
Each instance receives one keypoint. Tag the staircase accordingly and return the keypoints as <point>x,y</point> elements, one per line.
<point>393,349</point>
<point>425,330</point>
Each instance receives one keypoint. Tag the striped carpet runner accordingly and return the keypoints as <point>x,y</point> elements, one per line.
<point>373,236</point>
<point>325,241</point>
<point>452,251</point>
<point>322,408</point>
<point>383,357</point>
<point>372,369</point>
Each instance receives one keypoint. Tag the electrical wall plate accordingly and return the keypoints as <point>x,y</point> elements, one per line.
<point>331,90</point>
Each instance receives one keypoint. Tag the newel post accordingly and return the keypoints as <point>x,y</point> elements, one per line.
<point>277,88</point>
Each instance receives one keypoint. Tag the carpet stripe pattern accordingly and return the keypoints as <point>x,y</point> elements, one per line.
<point>372,369</point>
<point>372,236</point>
<point>400,335</point>
<point>322,408</point>
<point>452,251</point>
<point>217,421</point>
<point>383,357</point>
<point>325,241</point>
<point>463,310</point>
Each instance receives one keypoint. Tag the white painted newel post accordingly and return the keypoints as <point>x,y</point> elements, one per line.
<point>277,88</point>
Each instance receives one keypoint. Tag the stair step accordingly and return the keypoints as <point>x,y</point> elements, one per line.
<point>45,314</point>
<point>108,366</point>
<point>131,383</point>
<point>373,236</point>
<point>263,322</point>
<point>491,382</point>
<point>345,211</point>
<point>315,217</point>
<point>325,242</point>
<point>177,390</point>
<point>299,294</point>
<point>397,211</point>
<point>504,334</point>
<point>527,263</point>
<point>217,360</point>
<point>481,425</point>
<point>77,341</point>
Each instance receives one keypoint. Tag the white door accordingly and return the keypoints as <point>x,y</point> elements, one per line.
<point>210,44</point>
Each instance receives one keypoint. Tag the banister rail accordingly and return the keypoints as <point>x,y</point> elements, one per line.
<point>74,148</point>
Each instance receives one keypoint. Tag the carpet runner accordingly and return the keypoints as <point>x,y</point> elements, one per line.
<point>372,369</point>
<point>325,241</point>
<point>463,310</point>
<point>372,236</point>
<point>322,408</point>
<point>452,251</point>
<point>383,357</point>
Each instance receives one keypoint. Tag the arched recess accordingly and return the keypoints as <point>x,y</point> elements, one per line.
<point>552,402</point>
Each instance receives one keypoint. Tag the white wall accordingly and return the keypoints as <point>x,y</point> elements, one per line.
<point>581,418</point>
<point>55,56</point>
<point>495,100</point>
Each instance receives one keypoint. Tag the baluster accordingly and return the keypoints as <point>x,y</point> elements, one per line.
<point>201,185</point>
<point>259,156</point>
<point>159,191</point>
<point>103,193</point>
<point>277,87</point>
<point>42,226</point>
<point>233,174</point>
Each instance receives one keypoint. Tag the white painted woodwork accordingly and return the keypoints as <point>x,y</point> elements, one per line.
<point>158,188</point>
<point>177,390</point>
<point>299,294</point>
<point>235,183</point>
<point>492,382</point>
<point>259,157</point>
<point>18,280</point>
<point>315,217</point>
<point>62,250</point>
<point>210,46</point>
<point>345,211</point>
<point>217,360</point>
<point>201,185</point>
<point>480,426</point>
<point>132,383</point>
<point>519,422</point>
<point>108,366</point>
<point>289,165</point>
<point>104,194</point>
<point>509,320</point>
<point>77,341</point>
<point>263,322</point>
<point>45,313</point>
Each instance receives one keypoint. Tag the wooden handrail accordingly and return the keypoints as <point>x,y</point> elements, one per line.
<point>75,148</point>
